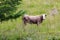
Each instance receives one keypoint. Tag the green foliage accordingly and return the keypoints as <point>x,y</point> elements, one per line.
<point>8,7</point>
<point>48,30</point>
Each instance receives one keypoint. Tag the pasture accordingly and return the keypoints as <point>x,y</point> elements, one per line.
<point>49,29</point>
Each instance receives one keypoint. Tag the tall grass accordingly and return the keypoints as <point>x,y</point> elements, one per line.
<point>48,30</point>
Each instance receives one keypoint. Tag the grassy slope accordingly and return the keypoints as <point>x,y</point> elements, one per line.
<point>47,30</point>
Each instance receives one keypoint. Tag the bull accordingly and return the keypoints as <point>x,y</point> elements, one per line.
<point>34,19</point>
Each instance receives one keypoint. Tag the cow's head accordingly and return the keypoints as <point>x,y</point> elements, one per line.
<point>44,16</point>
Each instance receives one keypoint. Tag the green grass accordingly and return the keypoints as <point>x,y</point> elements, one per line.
<point>48,30</point>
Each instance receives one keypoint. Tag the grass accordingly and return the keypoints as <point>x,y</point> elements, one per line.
<point>48,30</point>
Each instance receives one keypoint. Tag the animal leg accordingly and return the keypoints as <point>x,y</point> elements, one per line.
<point>25,23</point>
<point>37,23</point>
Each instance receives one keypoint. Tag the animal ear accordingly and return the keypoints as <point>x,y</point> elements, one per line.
<point>45,15</point>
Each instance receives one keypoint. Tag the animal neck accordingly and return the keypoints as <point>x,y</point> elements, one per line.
<point>41,18</point>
